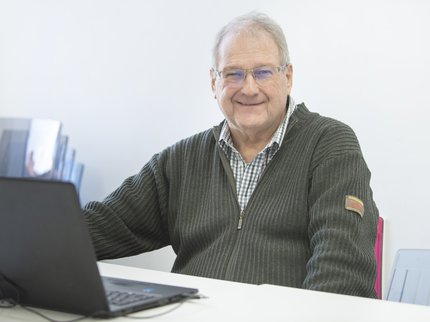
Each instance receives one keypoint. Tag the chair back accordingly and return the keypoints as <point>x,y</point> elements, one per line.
<point>378,255</point>
<point>410,277</point>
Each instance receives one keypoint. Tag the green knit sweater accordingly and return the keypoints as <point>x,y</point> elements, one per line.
<point>296,230</point>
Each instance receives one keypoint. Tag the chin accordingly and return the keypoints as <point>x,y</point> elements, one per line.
<point>251,117</point>
<point>250,124</point>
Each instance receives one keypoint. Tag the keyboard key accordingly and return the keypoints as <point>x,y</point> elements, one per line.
<point>124,298</point>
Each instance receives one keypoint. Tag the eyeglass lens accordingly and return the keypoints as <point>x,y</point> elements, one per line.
<point>237,76</point>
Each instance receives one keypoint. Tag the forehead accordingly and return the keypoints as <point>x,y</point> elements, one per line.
<point>248,49</point>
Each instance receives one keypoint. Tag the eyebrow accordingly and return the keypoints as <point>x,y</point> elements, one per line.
<point>235,67</point>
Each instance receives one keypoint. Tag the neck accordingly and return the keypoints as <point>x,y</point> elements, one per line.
<point>249,144</point>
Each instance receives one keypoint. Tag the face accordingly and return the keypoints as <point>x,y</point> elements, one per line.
<point>251,109</point>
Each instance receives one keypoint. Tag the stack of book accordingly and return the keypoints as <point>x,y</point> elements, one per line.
<point>37,148</point>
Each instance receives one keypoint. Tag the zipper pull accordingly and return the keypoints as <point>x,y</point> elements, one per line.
<point>239,224</point>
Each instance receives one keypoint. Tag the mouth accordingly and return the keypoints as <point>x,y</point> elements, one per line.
<point>250,104</point>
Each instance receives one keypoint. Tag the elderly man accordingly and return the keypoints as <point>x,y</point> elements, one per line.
<point>274,194</point>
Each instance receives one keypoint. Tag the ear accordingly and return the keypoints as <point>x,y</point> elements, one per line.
<point>289,75</point>
<point>213,80</point>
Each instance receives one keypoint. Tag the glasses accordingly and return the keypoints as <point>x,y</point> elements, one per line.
<point>262,75</point>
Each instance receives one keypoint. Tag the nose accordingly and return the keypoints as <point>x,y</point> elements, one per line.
<point>249,85</point>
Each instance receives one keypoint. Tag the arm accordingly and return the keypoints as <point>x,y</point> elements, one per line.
<point>130,220</point>
<point>341,241</point>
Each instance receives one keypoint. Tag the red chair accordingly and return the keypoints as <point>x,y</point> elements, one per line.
<point>378,255</point>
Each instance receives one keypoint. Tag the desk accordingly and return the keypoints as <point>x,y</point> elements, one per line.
<point>231,301</point>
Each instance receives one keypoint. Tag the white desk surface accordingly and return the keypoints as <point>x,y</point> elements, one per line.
<point>230,301</point>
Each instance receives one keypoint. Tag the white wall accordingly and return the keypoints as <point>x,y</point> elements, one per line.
<point>129,77</point>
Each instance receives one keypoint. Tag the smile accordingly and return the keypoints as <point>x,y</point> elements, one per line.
<point>249,103</point>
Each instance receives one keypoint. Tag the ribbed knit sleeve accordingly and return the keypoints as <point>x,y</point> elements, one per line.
<point>130,220</point>
<point>341,241</point>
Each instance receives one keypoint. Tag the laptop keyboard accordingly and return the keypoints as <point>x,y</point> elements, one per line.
<point>124,298</point>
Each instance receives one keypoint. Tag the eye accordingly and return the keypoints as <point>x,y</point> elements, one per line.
<point>263,73</point>
<point>235,74</point>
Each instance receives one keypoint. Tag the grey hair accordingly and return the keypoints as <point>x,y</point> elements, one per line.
<point>253,21</point>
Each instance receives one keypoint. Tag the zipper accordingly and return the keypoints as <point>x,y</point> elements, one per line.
<point>239,224</point>
<point>242,211</point>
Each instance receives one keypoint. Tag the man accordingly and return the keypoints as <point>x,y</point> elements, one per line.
<point>274,194</point>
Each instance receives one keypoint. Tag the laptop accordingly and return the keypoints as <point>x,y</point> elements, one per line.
<point>47,252</point>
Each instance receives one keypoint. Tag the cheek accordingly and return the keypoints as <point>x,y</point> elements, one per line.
<point>224,95</point>
<point>281,92</point>
<point>278,98</point>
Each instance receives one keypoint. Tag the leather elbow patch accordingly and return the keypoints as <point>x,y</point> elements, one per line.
<point>354,204</point>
